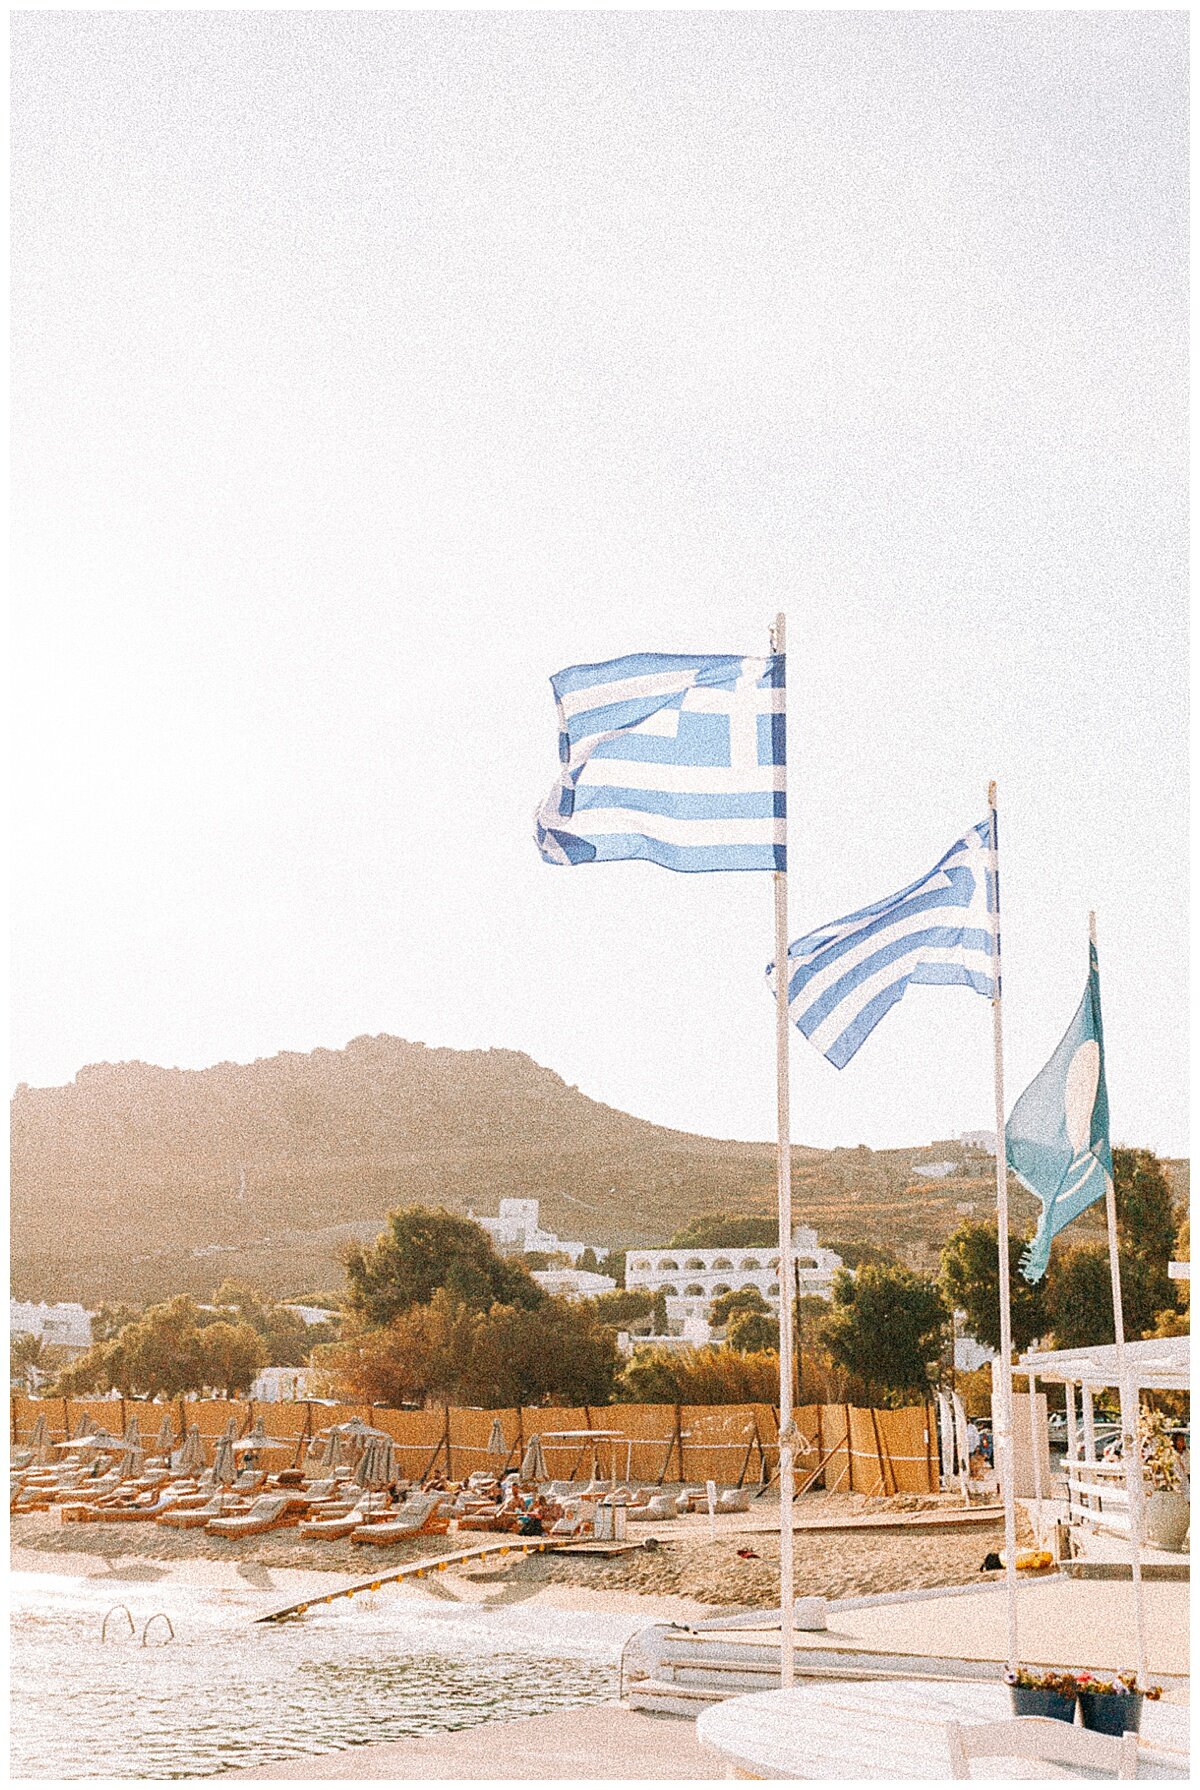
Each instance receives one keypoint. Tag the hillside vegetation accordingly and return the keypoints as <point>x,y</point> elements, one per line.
<point>135,1182</point>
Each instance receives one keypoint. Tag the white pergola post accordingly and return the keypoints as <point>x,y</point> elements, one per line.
<point>1089,1424</point>
<point>1072,1423</point>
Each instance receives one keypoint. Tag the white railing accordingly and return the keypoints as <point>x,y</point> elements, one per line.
<point>1098,1497</point>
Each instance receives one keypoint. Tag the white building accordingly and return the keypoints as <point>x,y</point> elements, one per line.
<point>314,1314</point>
<point>693,1278</point>
<point>573,1283</point>
<point>276,1385</point>
<point>516,1231</point>
<point>694,1333</point>
<point>936,1171</point>
<point>63,1326</point>
<point>978,1140</point>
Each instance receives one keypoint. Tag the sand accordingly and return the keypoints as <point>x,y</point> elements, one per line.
<point>683,1567</point>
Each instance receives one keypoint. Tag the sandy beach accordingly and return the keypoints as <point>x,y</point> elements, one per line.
<point>683,1567</point>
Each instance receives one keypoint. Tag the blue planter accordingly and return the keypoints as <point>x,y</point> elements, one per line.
<point>1051,1703</point>
<point>1106,1714</point>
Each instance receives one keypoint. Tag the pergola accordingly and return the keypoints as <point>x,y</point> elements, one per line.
<point>1157,1364</point>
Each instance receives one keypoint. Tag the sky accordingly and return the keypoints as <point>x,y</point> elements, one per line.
<point>370,367</point>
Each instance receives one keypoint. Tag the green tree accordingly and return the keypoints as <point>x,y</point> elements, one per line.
<point>614,1266</point>
<point>1146,1228</point>
<point>421,1251</point>
<point>741,1299</point>
<point>708,1376</point>
<point>24,1352</point>
<point>723,1230</point>
<point>160,1352</point>
<point>447,1352</point>
<point>860,1254</point>
<point>230,1356</point>
<point>110,1320</point>
<point>970,1282</point>
<point>885,1327</point>
<point>624,1306</point>
<point>588,1262</point>
<point>750,1332</point>
<point>1079,1295</point>
<point>658,1312</point>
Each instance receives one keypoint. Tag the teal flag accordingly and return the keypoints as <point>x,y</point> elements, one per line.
<point>1056,1139</point>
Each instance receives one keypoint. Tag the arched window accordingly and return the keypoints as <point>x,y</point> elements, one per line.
<point>774,1262</point>
<point>668,1263</point>
<point>722,1261</point>
<point>694,1292</point>
<point>694,1262</point>
<point>719,1289</point>
<point>751,1264</point>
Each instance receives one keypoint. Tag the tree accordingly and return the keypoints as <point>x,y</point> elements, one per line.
<point>447,1352</point>
<point>747,1299</point>
<point>230,1356</point>
<point>624,1306</point>
<point>614,1266</point>
<point>25,1352</point>
<point>110,1320</point>
<point>160,1352</point>
<point>722,1230</point>
<point>857,1254</point>
<point>658,1313</point>
<point>970,1282</point>
<point>287,1338</point>
<point>750,1332</point>
<point>588,1262</point>
<point>885,1327</point>
<point>1146,1228</point>
<point>1079,1296</point>
<point>708,1376</point>
<point>422,1250</point>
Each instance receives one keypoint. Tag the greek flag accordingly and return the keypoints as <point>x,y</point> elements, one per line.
<point>843,978</point>
<point>1056,1139</point>
<point>671,757</point>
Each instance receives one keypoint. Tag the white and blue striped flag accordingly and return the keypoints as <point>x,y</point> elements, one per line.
<point>843,978</point>
<point>675,758</point>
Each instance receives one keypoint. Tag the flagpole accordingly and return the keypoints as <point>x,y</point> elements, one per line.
<point>1130,1442</point>
<point>1002,1424</point>
<point>783,1173</point>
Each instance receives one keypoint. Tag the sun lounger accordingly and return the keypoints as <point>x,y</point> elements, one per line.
<point>734,1498</point>
<point>275,1510</point>
<point>423,1515</point>
<point>198,1516</point>
<point>660,1509</point>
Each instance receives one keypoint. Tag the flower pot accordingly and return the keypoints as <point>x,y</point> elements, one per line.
<point>1104,1713</point>
<point>1051,1703</point>
<point>1167,1515</point>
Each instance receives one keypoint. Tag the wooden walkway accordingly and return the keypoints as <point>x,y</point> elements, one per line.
<point>420,1569</point>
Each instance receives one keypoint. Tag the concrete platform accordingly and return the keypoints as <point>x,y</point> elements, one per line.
<point>600,1741</point>
<point>1061,1622</point>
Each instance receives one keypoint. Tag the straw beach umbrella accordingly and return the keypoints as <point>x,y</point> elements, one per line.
<point>534,1464</point>
<point>133,1435</point>
<point>224,1462</point>
<point>166,1436</point>
<point>497,1447</point>
<point>190,1458</point>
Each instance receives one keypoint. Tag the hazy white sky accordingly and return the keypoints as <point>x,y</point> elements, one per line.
<point>370,367</point>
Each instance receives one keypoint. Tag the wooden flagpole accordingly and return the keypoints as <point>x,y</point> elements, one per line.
<point>787,1427</point>
<point>1130,1439</point>
<point>1002,1422</point>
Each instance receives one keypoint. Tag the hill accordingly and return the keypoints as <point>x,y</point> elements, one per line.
<point>134,1182</point>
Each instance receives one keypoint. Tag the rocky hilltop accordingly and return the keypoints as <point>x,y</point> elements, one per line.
<point>134,1182</point>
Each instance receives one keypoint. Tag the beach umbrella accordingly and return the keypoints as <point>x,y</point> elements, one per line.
<point>224,1463</point>
<point>231,1429</point>
<point>356,1430</point>
<point>190,1458</point>
<point>166,1436</point>
<point>85,1426</point>
<point>534,1464</point>
<point>375,1466</point>
<point>258,1439</point>
<point>131,1463</point>
<point>496,1444</point>
<point>133,1435</point>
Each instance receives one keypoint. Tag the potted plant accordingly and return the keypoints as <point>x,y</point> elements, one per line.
<point>1167,1514</point>
<point>1042,1693</point>
<point>1113,1706</point>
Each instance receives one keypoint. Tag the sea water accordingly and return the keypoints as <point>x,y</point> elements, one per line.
<point>227,1693</point>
